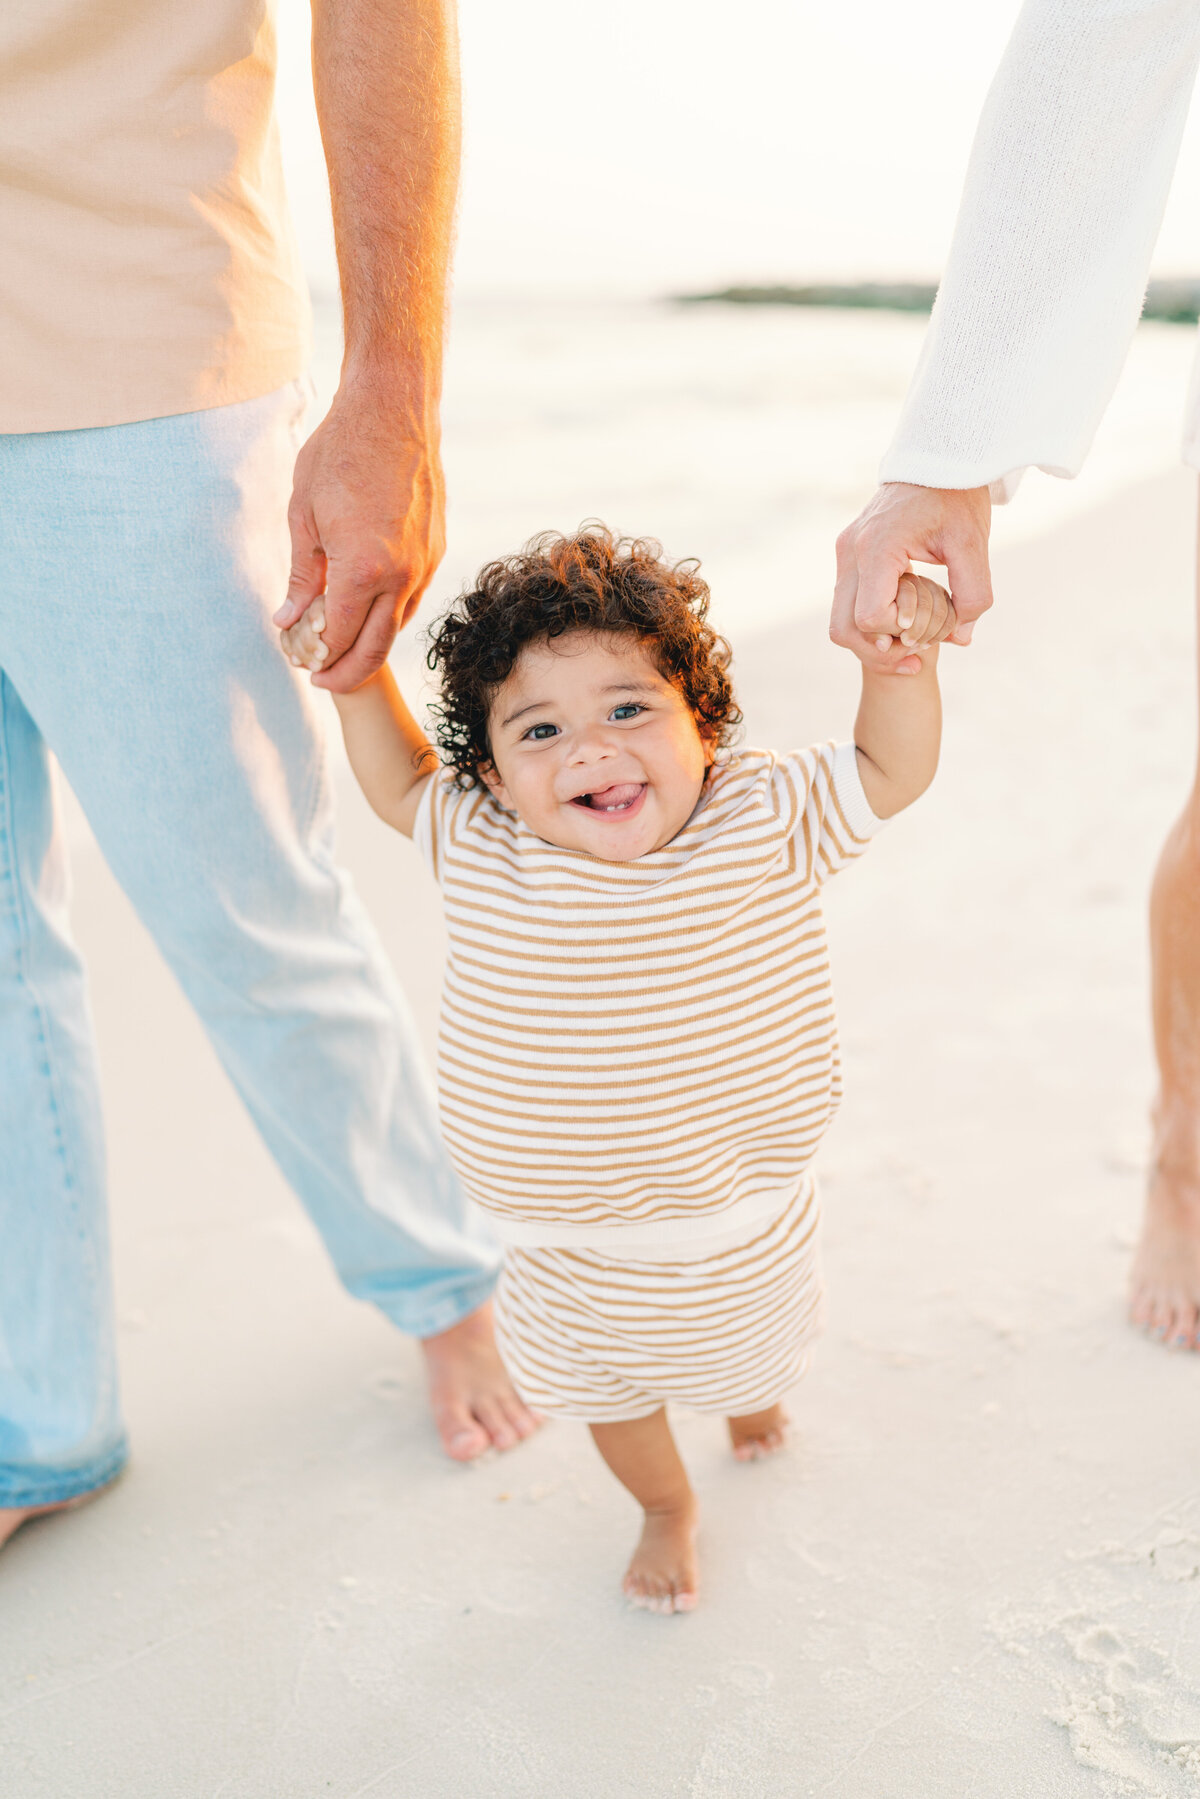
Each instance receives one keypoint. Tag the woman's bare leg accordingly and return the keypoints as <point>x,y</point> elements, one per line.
<point>1165,1283</point>
<point>641,1453</point>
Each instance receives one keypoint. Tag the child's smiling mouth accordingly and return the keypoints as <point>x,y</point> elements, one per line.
<point>612,802</point>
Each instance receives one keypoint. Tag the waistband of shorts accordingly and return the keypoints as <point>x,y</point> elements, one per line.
<point>659,1240</point>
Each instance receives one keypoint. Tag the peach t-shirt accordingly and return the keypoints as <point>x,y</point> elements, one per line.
<point>147,263</point>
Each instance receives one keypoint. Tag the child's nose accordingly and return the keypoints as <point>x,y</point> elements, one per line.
<point>591,745</point>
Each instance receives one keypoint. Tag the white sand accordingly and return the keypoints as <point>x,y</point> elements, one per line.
<point>974,1576</point>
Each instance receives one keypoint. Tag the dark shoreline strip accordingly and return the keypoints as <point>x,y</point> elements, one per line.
<point>1174,302</point>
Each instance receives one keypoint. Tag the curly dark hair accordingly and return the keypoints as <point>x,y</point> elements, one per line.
<point>591,581</point>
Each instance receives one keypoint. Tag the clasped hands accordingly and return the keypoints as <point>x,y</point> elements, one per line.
<point>367,522</point>
<point>883,611</point>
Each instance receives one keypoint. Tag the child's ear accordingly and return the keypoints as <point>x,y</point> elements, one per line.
<point>489,776</point>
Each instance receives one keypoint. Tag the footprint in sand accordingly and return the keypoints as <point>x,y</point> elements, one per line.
<point>750,1679</point>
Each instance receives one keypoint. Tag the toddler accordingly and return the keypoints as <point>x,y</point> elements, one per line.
<point>637,1053</point>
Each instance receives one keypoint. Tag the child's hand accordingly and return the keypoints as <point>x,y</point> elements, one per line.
<point>924,614</point>
<point>303,644</point>
<point>922,617</point>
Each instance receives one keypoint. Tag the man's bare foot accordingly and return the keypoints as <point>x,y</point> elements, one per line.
<point>1164,1285</point>
<point>662,1576</point>
<point>474,1405</point>
<point>758,1433</point>
<point>13,1517</point>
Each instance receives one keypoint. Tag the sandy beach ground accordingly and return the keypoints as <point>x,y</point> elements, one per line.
<point>976,1572</point>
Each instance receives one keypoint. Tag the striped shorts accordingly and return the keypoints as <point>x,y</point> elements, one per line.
<point>585,1335</point>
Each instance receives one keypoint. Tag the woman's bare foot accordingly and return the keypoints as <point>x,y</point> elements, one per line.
<point>1164,1284</point>
<point>758,1433</point>
<point>662,1575</point>
<point>13,1517</point>
<point>474,1404</point>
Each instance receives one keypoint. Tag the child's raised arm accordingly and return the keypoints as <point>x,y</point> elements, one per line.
<point>390,754</point>
<point>898,731</point>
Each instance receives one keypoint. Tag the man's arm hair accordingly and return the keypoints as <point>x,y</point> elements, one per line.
<point>385,74</point>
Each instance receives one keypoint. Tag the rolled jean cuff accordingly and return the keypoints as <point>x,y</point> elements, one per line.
<point>26,1487</point>
<point>417,1318</point>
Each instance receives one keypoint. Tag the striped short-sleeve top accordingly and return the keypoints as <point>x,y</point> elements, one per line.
<point>643,1052</point>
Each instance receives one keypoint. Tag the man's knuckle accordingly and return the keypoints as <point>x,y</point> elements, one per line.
<point>876,542</point>
<point>365,571</point>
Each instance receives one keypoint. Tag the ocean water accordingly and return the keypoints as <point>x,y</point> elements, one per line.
<point>745,436</point>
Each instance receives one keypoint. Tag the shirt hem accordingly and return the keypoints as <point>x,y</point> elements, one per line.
<point>200,395</point>
<point>671,1239</point>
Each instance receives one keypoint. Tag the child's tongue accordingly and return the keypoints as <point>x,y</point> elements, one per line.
<point>606,798</point>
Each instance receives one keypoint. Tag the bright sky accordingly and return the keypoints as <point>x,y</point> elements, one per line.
<point>644,146</point>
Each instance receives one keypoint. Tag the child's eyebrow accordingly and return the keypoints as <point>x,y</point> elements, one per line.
<point>534,706</point>
<point>543,705</point>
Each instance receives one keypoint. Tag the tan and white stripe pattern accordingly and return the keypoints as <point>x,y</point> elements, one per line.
<point>636,1063</point>
<point>585,1335</point>
<point>645,1044</point>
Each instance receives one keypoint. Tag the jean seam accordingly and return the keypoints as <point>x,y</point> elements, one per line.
<point>16,909</point>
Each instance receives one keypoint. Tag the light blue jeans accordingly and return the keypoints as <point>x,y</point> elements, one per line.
<point>141,564</point>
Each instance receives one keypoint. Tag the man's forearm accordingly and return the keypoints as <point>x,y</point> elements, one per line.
<point>367,516</point>
<point>385,74</point>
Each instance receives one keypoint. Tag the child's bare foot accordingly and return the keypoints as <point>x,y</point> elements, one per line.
<point>475,1406</point>
<point>758,1433</point>
<point>303,644</point>
<point>641,1453</point>
<point>662,1576</point>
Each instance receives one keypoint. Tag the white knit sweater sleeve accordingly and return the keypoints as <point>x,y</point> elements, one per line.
<point>1064,196</point>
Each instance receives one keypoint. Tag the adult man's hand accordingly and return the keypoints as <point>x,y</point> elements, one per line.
<point>368,524</point>
<point>872,614</point>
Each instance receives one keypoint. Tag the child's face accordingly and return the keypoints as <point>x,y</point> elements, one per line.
<point>594,749</point>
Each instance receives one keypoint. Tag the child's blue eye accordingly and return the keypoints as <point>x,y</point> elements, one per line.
<point>540,732</point>
<point>628,710</point>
